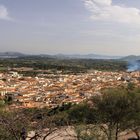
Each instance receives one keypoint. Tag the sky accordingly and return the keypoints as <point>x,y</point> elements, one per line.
<point>109,27</point>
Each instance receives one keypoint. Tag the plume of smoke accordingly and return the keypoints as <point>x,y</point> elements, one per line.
<point>133,66</point>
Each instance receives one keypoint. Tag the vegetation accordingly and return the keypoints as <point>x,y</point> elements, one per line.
<point>117,110</point>
<point>103,117</point>
<point>63,65</point>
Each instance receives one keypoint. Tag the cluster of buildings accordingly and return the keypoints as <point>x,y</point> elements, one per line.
<point>52,90</point>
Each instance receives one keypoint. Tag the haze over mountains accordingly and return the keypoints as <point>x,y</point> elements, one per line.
<point>11,54</point>
<point>61,56</point>
<point>131,58</point>
<point>72,56</point>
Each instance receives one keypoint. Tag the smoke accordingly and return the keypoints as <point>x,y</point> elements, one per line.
<point>133,66</point>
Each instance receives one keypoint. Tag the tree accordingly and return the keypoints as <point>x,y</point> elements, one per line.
<point>17,124</point>
<point>116,110</point>
<point>132,121</point>
<point>12,125</point>
<point>111,108</point>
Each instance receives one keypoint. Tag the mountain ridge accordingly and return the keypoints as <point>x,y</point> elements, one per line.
<point>61,56</point>
<point>11,54</point>
<point>131,58</point>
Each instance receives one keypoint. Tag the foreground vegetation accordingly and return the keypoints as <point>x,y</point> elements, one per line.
<point>103,117</point>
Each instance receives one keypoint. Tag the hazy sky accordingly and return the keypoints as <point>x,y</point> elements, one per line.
<point>70,26</point>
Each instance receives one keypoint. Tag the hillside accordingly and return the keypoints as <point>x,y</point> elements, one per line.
<point>10,54</point>
<point>131,58</point>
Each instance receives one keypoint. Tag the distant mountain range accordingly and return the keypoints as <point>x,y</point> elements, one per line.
<point>61,56</point>
<point>88,56</point>
<point>11,54</point>
<point>74,56</point>
<point>131,58</point>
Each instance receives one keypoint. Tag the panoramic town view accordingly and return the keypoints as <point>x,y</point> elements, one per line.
<point>69,70</point>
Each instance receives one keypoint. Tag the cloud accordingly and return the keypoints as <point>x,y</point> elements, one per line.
<point>4,15</point>
<point>104,10</point>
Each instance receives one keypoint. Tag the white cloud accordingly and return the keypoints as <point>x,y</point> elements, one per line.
<point>4,15</point>
<point>104,10</point>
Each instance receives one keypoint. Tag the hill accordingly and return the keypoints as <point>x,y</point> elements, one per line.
<point>58,56</point>
<point>86,56</point>
<point>131,58</point>
<point>11,54</point>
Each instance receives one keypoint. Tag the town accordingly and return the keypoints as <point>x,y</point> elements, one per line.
<point>51,90</point>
